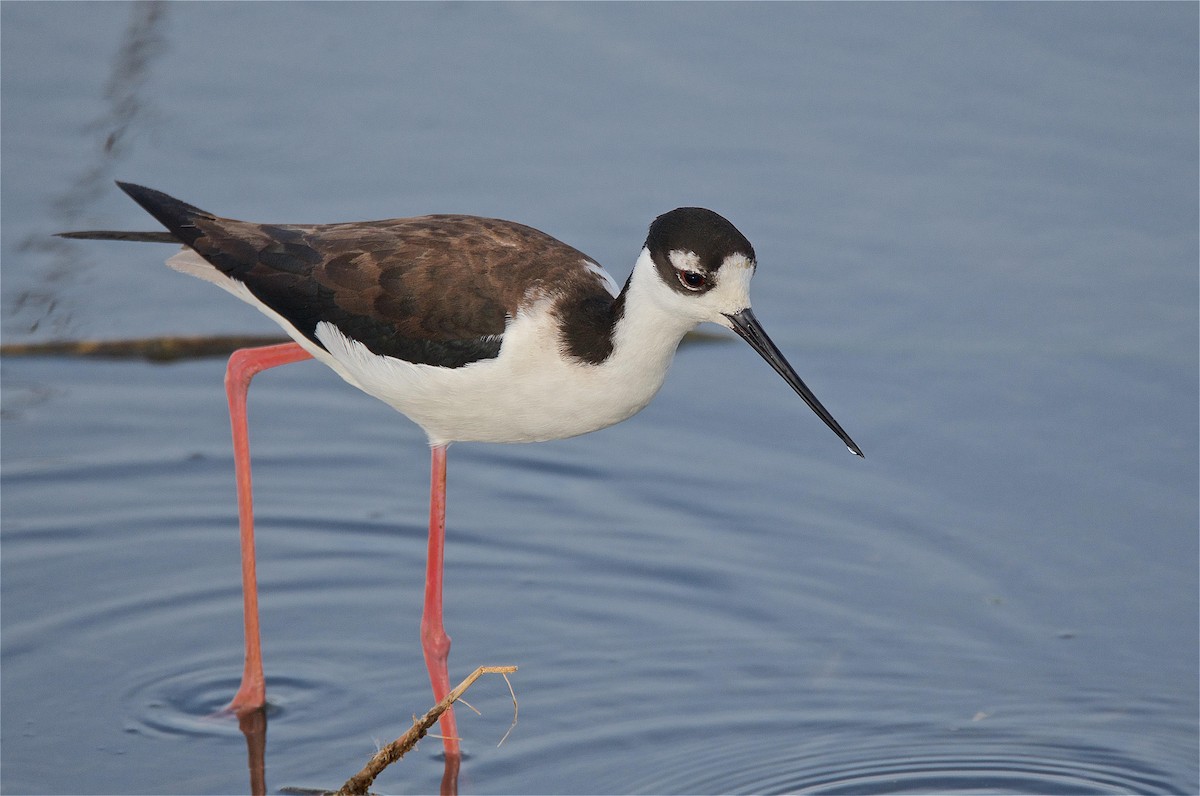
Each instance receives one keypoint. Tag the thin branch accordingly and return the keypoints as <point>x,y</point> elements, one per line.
<point>360,782</point>
<point>155,349</point>
<point>514,721</point>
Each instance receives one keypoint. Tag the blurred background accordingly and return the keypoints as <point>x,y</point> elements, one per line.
<point>977,234</point>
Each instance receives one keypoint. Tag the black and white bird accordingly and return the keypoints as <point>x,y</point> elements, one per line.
<point>477,329</point>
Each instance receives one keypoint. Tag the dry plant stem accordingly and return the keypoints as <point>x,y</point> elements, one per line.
<point>168,349</point>
<point>389,754</point>
<point>155,349</point>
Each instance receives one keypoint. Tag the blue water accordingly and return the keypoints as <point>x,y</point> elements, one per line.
<point>977,234</point>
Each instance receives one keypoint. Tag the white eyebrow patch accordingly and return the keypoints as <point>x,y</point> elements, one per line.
<point>737,261</point>
<point>684,260</point>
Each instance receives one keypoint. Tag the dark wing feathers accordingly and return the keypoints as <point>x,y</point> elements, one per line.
<point>432,289</point>
<point>112,234</point>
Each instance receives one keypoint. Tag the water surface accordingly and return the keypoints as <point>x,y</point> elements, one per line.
<point>977,231</point>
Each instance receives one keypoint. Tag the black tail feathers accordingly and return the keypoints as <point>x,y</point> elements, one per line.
<point>173,214</point>
<point>113,234</point>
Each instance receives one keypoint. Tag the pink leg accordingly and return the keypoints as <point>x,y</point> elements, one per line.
<point>434,641</point>
<point>243,365</point>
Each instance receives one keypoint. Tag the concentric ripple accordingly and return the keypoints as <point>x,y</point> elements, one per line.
<point>192,702</point>
<point>983,764</point>
<point>1072,773</point>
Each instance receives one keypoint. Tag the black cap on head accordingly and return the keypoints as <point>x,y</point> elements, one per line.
<point>699,232</point>
<point>696,229</point>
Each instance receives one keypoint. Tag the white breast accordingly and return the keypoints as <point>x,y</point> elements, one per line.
<point>529,393</point>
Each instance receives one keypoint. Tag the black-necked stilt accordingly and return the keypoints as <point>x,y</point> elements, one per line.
<point>477,329</point>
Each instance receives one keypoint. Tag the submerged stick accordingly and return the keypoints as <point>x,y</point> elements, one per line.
<point>155,349</point>
<point>358,784</point>
<point>169,348</point>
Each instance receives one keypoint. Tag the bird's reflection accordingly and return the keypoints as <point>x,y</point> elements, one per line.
<point>253,724</point>
<point>450,775</point>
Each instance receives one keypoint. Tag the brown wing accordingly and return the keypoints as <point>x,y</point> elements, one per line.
<point>431,289</point>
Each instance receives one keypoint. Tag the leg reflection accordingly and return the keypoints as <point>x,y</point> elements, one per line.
<point>450,775</point>
<point>253,724</point>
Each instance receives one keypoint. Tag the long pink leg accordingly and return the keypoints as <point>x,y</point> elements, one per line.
<point>243,366</point>
<point>434,641</point>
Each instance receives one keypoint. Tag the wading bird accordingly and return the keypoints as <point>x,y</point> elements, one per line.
<point>477,329</point>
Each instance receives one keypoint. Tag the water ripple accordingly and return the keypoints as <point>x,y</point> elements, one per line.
<point>991,764</point>
<point>191,702</point>
<point>1047,770</point>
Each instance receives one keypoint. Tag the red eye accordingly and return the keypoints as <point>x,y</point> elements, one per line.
<point>692,280</point>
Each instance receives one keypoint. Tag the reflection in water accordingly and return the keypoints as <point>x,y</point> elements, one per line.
<point>125,105</point>
<point>450,775</point>
<point>253,724</point>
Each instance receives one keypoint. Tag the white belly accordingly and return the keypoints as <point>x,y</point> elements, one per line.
<point>529,393</point>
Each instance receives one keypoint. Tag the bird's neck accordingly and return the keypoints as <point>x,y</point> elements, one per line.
<point>648,328</point>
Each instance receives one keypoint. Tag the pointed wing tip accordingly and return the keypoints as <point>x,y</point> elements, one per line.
<point>139,193</point>
<point>112,234</point>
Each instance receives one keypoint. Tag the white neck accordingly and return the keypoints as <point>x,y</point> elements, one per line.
<point>649,330</point>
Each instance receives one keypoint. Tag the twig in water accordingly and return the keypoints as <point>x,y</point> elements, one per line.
<point>154,349</point>
<point>358,784</point>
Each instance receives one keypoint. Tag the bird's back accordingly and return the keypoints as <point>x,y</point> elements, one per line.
<point>434,290</point>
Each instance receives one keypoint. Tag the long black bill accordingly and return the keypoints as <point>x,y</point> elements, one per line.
<point>746,325</point>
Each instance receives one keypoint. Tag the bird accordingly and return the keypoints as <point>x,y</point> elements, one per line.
<point>476,329</point>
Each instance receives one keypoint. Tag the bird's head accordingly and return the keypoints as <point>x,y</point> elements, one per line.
<point>704,266</point>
